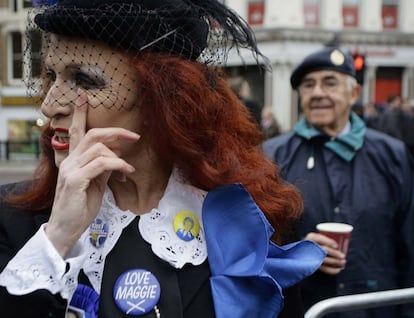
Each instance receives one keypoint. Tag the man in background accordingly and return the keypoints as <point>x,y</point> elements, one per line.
<point>351,174</point>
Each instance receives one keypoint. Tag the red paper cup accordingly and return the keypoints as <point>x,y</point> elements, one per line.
<point>340,232</point>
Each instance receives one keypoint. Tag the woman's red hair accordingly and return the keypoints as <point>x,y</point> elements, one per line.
<point>199,126</point>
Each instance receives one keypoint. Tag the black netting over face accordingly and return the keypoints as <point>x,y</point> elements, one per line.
<point>91,45</point>
<point>72,64</point>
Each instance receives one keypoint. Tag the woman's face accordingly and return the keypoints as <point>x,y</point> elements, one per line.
<point>77,67</point>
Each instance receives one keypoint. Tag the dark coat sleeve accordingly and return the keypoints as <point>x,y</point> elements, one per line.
<point>16,228</point>
<point>293,306</point>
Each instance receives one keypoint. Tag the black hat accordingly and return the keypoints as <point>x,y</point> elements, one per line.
<point>180,27</point>
<point>129,24</point>
<point>329,58</point>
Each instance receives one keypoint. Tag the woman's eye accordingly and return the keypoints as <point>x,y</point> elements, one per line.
<point>51,75</point>
<point>88,82</point>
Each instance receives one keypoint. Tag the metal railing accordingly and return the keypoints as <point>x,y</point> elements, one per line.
<point>361,301</point>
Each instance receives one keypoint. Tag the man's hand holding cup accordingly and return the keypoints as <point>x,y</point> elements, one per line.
<point>334,239</point>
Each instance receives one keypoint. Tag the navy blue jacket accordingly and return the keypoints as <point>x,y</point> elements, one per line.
<point>375,193</point>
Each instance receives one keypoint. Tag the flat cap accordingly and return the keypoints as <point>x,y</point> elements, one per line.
<point>328,58</point>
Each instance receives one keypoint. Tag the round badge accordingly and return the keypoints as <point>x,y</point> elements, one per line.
<point>136,292</point>
<point>186,225</point>
<point>337,57</point>
<point>98,231</point>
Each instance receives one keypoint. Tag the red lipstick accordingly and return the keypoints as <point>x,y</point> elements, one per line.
<point>57,140</point>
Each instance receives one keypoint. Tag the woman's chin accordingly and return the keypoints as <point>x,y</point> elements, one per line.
<point>59,157</point>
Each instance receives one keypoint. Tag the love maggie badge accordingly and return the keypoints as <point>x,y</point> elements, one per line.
<point>136,292</point>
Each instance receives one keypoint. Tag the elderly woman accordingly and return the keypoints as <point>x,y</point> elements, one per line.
<point>152,197</point>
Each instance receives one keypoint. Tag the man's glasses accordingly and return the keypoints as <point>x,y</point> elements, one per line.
<point>327,85</point>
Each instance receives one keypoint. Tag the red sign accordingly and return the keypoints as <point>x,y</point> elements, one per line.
<point>311,12</point>
<point>350,16</point>
<point>389,17</point>
<point>256,13</point>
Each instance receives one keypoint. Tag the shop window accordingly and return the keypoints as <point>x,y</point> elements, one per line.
<point>16,49</point>
<point>34,47</point>
<point>25,54</point>
<point>23,139</point>
<point>17,5</point>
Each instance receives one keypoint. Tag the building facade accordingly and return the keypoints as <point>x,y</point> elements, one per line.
<point>381,30</point>
<point>20,119</point>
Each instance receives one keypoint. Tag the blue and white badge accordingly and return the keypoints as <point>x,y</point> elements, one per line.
<point>136,292</point>
<point>98,231</point>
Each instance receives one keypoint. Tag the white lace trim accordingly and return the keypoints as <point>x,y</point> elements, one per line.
<point>157,226</point>
<point>116,220</point>
<point>39,266</point>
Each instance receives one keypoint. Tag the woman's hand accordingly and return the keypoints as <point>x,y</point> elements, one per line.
<point>335,260</point>
<point>83,176</point>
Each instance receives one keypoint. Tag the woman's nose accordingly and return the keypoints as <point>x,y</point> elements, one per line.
<point>59,100</point>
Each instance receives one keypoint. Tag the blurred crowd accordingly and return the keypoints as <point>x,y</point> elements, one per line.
<point>395,117</point>
<point>263,116</point>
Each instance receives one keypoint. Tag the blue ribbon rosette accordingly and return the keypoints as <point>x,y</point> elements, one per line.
<point>248,270</point>
<point>85,300</point>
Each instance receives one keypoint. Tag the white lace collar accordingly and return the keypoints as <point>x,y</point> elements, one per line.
<point>174,230</point>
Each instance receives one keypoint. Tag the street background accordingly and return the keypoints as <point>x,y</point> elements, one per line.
<point>16,170</point>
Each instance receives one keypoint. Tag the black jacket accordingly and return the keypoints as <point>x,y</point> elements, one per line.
<point>190,295</point>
